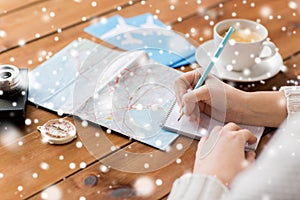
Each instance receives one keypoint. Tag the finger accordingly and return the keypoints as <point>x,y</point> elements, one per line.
<point>250,156</point>
<point>199,120</point>
<point>187,81</point>
<point>205,108</point>
<point>210,142</point>
<point>193,76</point>
<point>189,101</point>
<point>199,150</point>
<point>216,129</point>
<point>195,114</point>
<point>201,144</point>
<point>180,87</point>
<point>190,79</point>
<point>192,118</point>
<point>231,127</point>
<point>249,159</point>
<point>248,136</point>
<point>183,84</point>
<point>202,94</point>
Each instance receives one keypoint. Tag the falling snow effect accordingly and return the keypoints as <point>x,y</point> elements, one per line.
<point>53,192</point>
<point>143,185</point>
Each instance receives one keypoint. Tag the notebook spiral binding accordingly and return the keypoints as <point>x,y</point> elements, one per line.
<point>168,114</point>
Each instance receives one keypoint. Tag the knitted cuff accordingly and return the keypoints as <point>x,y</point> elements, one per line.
<point>292,94</point>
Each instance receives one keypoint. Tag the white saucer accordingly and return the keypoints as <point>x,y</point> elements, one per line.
<point>261,71</point>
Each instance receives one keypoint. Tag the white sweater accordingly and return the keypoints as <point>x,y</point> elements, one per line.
<point>274,175</point>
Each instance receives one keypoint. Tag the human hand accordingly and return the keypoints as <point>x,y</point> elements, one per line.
<point>227,157</point>
<point>215,98</point>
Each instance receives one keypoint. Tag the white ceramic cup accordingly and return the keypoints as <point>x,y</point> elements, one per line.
<point>238,56</point>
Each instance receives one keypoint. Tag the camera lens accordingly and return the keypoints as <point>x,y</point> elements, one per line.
<point>10,80</point>
<point>5,75</point>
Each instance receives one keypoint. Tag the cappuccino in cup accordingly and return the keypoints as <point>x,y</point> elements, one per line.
<point>245,44</point>
<point>244,35</point>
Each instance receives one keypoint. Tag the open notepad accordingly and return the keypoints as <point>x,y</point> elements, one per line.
<point>195,130</point>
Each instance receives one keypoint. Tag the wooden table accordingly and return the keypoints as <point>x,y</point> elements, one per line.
<point>33,30</point>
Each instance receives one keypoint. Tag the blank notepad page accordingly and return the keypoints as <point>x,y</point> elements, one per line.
<point>195,130</point>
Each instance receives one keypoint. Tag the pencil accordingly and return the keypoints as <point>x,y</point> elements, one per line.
<point>211,63</point>
<point>180,115</point>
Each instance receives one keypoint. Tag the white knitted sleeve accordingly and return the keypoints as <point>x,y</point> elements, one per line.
<point>292,94</point>
<point>197,186</point>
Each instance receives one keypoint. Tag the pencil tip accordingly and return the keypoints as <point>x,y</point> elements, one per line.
<point>180,116</point>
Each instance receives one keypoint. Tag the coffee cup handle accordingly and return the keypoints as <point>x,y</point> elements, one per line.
<point>271,46</point>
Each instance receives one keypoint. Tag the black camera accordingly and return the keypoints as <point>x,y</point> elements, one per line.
<point>13,92</point>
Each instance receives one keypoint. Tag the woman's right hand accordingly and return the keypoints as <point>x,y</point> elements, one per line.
<point>215,98</point>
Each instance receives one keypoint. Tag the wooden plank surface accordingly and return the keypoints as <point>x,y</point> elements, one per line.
<point>35,55</point>
<point>52,16</point>
<point>49,17</point>
<point>72,170</point>
<point>289,76</point>
<point>7,7</point>
<point>287,41</point>
<point>283,19</point>
<point>37,164</point>
<point>118,184</point>
<point>36,117</point>
<point>43,47</point>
